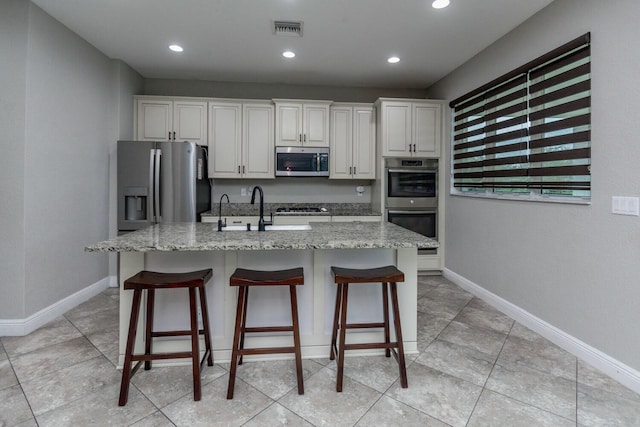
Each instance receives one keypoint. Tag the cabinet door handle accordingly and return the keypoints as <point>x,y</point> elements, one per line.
<point>174,135</point>
<point>300,137</point>
<point>242,168</point>
<point>305,137</point>
<point>350,170</point>
<point>169,136</point>
<point>414,148</point>
<point>238,168</point>
<point>354,170</point>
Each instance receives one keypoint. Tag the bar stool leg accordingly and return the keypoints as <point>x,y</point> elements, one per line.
<point>148,335</point>
<point>398,327</point>
<point>131,339</point>
<point>205,326</point>
<point>296,337</point>
<point>336,315</point>
<point>343,330</point>
<point>195,348</point>
<point>236,339</point>
<point>385,311</point>
<point>244,320</point>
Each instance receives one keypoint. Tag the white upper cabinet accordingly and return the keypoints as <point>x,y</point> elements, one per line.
<point>241,140</point>
<point>426,129</point>
<point>302,123</point>
<point>353,133</point>
<point>167,119</point>
<point>258,149</point>
<point>225,139</point>
<point>409,127</point>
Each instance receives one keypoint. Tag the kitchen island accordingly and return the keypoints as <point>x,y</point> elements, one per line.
<point>190,246</point>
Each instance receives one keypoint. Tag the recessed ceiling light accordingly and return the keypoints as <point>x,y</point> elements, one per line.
<point>439,4</point>
<point>393,60</point>
<point>176,48</point>
<point>288,54</point>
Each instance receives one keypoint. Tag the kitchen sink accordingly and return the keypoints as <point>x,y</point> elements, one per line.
<point>254,227</point>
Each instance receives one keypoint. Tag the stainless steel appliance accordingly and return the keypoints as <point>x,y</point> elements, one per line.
<point>423,221</point>
<point>161,182</point>
<point>300,210</point>
<point>412,195</point>
<point>302,161</point>
<point>411,183</point>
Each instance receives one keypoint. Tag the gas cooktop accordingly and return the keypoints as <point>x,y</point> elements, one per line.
<point>297,210</point>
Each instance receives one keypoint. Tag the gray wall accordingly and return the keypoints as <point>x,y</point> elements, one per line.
<point>13,54</point>
<point>174,87</point>
<point>63,94</point>
<point>575,267</point>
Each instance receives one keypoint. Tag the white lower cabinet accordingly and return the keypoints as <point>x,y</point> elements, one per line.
<point>233,220</point>
<point>299,219</point>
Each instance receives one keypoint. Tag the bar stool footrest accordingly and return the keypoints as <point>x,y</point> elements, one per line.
<point>363,325</point>
<point>266,350</point>
<point>269,329</point>
<point>365,346</point>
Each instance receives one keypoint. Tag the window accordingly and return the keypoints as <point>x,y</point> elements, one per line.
<point>527,134</point>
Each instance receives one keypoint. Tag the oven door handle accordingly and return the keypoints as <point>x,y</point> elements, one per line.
<point>411,170</point>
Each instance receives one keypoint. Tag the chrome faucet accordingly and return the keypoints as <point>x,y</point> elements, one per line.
<point>261,222</point>
<point>220,223</point>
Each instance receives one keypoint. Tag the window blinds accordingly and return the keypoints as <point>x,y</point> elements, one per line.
<point>528,130</point>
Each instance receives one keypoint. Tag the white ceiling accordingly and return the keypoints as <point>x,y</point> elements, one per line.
<point>344,43</point>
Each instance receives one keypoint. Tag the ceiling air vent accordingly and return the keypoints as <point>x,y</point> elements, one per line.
<point>287,28</point>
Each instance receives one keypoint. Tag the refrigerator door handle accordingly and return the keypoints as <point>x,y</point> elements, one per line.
<point>156,184</point>
<point>152,195</point>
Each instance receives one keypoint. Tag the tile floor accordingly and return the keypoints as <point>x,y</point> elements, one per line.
<point>476,367</point>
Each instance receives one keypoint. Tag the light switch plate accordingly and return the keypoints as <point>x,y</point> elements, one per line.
<point>625,205</point>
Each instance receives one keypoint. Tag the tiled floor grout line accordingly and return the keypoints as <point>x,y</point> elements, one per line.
<point>495,362</point>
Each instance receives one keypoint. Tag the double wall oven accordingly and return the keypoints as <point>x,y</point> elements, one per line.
<point>412,195</point>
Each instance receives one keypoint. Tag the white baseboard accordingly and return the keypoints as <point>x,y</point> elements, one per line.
<point>596,358</point>
<point>21,327</point>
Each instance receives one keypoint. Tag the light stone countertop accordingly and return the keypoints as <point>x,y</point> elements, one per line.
<point>205,237</point>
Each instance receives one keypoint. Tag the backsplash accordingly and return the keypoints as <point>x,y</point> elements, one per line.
<point>294,190</point>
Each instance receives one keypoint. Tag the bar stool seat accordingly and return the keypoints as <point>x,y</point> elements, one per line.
<point>245,279</point>
<point>152,281</point>
<point>385,275</point>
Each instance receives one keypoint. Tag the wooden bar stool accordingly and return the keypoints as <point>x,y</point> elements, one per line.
<point>245,279</point>
<point>385,275</point>
<point>150,281</point>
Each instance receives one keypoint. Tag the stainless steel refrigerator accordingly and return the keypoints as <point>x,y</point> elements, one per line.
<point>161,182</point>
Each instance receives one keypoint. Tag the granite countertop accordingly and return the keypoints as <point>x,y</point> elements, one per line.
<point>205,237</point>
<point>335,209</point>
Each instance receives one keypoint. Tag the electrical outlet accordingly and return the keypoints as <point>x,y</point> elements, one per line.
<point>243,192</point>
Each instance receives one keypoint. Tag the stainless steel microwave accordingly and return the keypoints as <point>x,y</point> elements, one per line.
<point>302,161</point>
